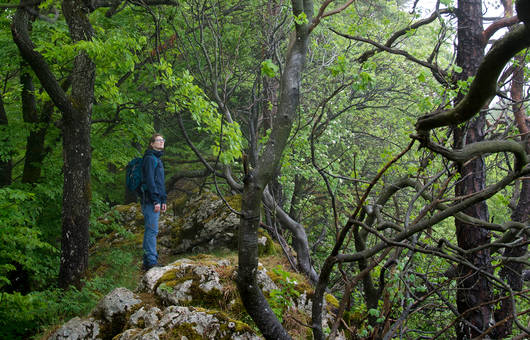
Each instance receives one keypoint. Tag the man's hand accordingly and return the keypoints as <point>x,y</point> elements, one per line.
<point>164,207</point>
<point>157,207</point>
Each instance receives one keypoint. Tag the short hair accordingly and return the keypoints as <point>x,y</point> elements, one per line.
<point>152,140</point>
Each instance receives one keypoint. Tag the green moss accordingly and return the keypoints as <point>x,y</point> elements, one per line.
<point>270,247</point>
<point>177,205</point>
<point>199,297</point>
<point>168,275</point>
<point>234,201</point>
<point>239,326</point>
<point>225,321</point>
<point>123,208</point>
<point>176,230</point>
<point>178,331</point>
<point>331,300</point>
<point>301,286</point>
<point>226,332</point>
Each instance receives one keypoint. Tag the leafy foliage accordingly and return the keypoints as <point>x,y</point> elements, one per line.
<point>185,95</point>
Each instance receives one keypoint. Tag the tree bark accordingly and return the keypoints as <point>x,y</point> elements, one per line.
<point>77,153</point>
<point>76,110</point>
<point>298,191</point>
<point>35,151</point>
<point>258,178</point>
<point>300,242</point>
<point>474,288</point>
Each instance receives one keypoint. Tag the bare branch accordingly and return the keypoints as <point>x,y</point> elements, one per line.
<point>484,85</point>
<point>368,54</point>
<point>437,71</point>
<point>322,15</point>
<point>497,25</point>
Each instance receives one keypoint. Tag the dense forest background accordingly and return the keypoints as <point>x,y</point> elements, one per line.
<point>384,142</point>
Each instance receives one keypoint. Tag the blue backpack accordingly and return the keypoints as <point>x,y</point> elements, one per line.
<point>133,175</point>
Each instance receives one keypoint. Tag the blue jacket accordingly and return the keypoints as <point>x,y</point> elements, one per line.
<point>153,172</point>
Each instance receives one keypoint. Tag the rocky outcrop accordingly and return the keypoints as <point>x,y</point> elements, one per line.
<point>190,299</point>
<point>195,298</point>
<point>200,224</point>
<point>207,224</point>
<point>178,322</point>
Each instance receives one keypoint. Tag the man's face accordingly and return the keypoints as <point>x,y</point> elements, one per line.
<point>158,144</point>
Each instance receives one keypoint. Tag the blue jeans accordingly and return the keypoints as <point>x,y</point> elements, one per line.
<point>150,232</point>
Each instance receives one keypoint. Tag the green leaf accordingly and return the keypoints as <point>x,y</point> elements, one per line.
<point>373,312</point>
<point>269,69</point>
<point>301,19</point>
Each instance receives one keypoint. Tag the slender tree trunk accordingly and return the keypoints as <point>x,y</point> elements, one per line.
<point>258,178</point>
<point>35,151</point>
<point>473,288</point>
<point>5,164</point>
<point>298,191</point>
<point>77,153</point>
<point>271,87</point>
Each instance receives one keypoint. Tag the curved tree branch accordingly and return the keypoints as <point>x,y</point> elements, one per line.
<point>484,85</point>
<point>368,54</point>
<point>435,69</point>
<point>300,243</point>
<point>497,25</point>
<point>451,211</point>
<point>480,148</point>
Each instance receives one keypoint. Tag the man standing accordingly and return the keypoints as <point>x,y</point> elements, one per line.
<point>153,199</point>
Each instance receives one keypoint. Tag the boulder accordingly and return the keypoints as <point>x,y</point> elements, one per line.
<point>180,322</point>
<point>206,225</point>
<point>78,329</point>
<point>116,304</point>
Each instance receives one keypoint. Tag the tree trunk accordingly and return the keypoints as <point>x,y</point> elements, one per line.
<point>77,153</point>
<point>258,178</point>
<point>253,300</point>
<point>5,162</point>
<point>300,242</point>
<point>76,110</point>
<point>298,191</point>
<point>473,288</point>
<point>35,142</point>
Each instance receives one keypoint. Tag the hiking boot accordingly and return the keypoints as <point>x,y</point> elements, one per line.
<point>147,267</point>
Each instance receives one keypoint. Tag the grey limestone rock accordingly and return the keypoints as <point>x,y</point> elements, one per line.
<point>78,329</point>
<point>118,302</point>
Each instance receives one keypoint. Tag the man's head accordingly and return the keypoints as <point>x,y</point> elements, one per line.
<point>157,142</point>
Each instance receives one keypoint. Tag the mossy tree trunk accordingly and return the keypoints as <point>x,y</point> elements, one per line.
<point>77,152</point>
<point>76,113</point>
